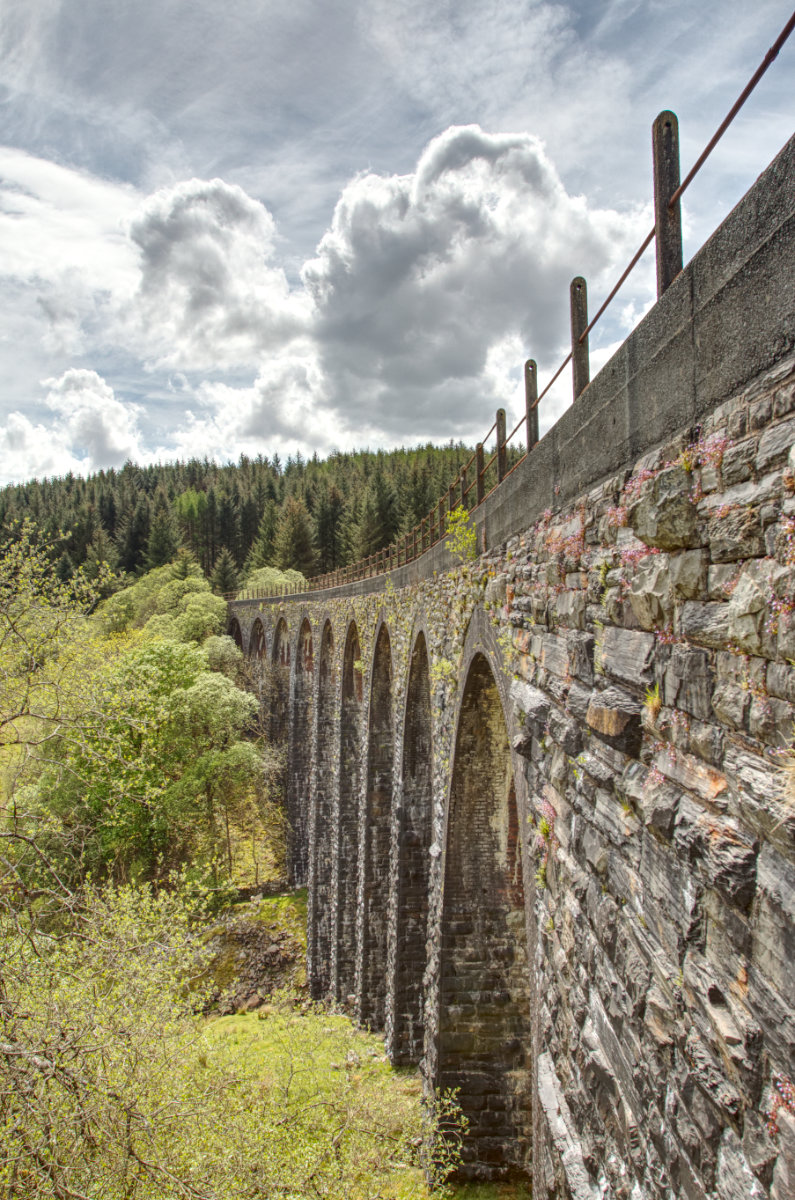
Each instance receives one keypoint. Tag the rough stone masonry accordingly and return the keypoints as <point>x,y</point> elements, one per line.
<point>540,798</point>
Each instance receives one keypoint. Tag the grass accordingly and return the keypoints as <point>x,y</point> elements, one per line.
<point>325,1057</point>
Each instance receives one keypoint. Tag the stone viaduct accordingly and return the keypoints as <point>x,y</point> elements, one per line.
<point>538,797</point>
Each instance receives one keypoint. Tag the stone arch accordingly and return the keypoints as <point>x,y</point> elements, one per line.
<point>300,755</point>
<point>236,632</point>
<point>415,832</point>
<point>351,722</point>
<point>485,1034</point>
<point>377,814</point>
<point>323,806</point>
<point>280,682</point>
<point>256,642</point>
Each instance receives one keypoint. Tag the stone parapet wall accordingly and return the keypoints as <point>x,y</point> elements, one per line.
<point>652,624</point>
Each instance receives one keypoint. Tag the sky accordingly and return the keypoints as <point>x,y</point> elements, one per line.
<point>269,227</point>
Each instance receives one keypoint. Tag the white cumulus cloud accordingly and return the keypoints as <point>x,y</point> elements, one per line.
<point>90,429</point>
<point>422,277</point>
<point>209,294</point>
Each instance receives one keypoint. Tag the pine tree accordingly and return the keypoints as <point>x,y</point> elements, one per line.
<point>293,546</point>
<point>224,576</point>
<point>329,533</point>
<point>163,538</point>
<point>261,552</point>
<point>133,536</point>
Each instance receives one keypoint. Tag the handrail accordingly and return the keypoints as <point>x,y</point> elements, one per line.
<point>666,231</point>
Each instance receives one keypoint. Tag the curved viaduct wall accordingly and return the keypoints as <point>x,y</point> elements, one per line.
<point>537,797</point>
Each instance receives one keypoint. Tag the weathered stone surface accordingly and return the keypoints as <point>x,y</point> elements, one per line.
<point>627,655</point>
<point>666,516</point>
<point>580,648</point>
<point>687,572</point>
<point>774,935</point>
<point>774,445</point>
<point>570,608</point>
<point>615,716</point>
<point>650,593</point>
<point>496,590</point>
<point>688,682</point>
<point>735,1177</point>
<point>747,613</point>
<point>784,1174</point>
<point>690,773</point>
<point>730,703</point>
<point>656,800</point>
<point>730,855</point>
<point>735,535</point>
<point>705,624</point>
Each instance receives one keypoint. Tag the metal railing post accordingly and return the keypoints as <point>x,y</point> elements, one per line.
<point>581,371</point>
<point>531,401</point>
<point>480,488</point>
<point>440,530</point>
<point>502,453</point>
<point>667,217</point>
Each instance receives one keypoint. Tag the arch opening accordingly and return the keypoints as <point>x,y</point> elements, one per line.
<point>348,818</point>
<point>280,683</point>
<point>413,868</point>
<point>236,632</point>
<point>484,1029</point>
<point>256,645</point>
<point>378,808</point>
<point>322,842</point>
<point>299,757</point>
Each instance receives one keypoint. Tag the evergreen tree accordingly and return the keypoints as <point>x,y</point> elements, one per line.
<point>133,536</point>
<point>293,545</point>
<point>329,518</point>
<point>224,577</point>
<point>261,553</point>
<point>163,538</point>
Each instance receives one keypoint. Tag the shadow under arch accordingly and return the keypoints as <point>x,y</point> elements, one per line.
<point>415,832</point>
<point>347,824</point>
<point>256,643</point>
<point>322,841</point>
<point>378,810</point>
<point>280,666</point>
<point>485,1034</point>
<point>236,633</point>
<point>299,755</point>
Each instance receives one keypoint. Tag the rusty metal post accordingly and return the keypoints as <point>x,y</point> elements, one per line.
<point>480,487</point>
<point>502,453</point>
<point>531,401</point>
<point>451,497</point>
<point>463,487</point>
<point>422,534</point>
<point>667,218</point>
<point>441,518</point>
<point>580,368</point>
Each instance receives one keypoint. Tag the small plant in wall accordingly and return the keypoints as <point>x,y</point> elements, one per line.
<point>652,703</point>
<point>442,671</point>
<point>783,1096</point>
<point>462,537</point>
<point>545,840</point>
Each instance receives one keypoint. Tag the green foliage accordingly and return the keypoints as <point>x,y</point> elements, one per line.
<point>271,578</point>
<point>113,1086</point>
<point>462,536</point>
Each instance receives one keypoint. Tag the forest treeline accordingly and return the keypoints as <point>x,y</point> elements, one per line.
<point>308,515</point>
